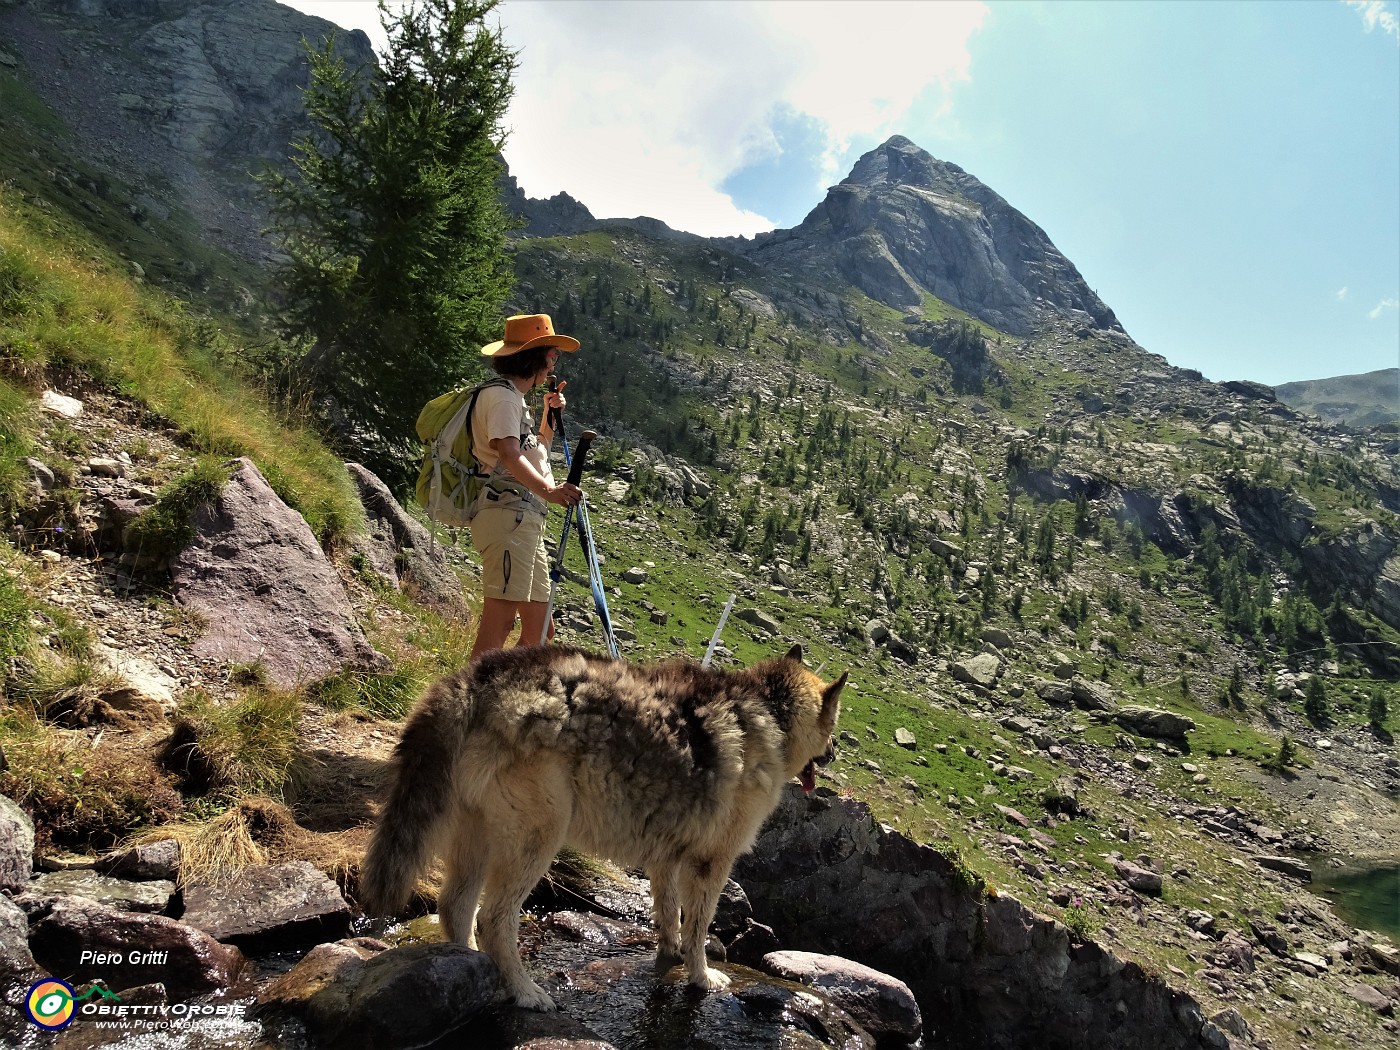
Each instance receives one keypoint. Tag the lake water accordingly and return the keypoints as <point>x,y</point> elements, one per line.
<point>1366,897</point>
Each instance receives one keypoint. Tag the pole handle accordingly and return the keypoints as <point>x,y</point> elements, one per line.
<point>556,415</point>
<point>585,442</point>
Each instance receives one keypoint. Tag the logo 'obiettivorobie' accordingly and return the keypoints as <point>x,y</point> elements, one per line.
<point>49,1004</point>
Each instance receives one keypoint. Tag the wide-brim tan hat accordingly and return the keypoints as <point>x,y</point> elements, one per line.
<point>524,331</point>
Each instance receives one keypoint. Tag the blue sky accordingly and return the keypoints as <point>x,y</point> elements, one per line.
<point>1226,175</point>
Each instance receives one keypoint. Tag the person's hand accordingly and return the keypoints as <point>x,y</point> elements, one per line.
<point>564,495</point>
<point>555,398</point>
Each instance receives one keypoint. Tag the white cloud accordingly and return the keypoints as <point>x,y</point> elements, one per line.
<point>1377,14</point>
<point>1341,294</point>
<point>1382,307</point>
<point>636,107</point>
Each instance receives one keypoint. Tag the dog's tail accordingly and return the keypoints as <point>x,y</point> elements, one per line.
<point>420,787</point>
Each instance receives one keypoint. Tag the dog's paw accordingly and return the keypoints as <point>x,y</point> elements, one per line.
<point>532,997</point>
<point>711,980</point>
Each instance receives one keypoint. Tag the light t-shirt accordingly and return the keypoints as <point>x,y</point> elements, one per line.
<point>501,412</point>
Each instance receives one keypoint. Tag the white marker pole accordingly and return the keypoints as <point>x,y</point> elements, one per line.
<point>714,642</point>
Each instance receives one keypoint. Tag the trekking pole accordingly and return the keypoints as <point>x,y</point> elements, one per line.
<point>585,532</point>
<point>575,463</point>
<point>714,640</point>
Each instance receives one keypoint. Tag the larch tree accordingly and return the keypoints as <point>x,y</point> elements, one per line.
<point>392,227</point>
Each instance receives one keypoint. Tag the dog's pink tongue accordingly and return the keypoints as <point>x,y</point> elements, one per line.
<point>808,776</point>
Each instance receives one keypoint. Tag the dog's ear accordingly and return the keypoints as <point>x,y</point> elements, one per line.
<point>831,698</point>
<point>795,653</point>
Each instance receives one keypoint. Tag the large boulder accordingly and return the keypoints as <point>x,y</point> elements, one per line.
<point>266,589</point>
<point>403,551</point>
<point>1149,721</point>
<point>356,995</point>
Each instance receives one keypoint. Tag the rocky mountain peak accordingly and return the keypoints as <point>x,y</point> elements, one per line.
<point>904,225</point>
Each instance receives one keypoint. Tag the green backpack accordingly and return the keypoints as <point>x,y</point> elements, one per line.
<point>450,479</point>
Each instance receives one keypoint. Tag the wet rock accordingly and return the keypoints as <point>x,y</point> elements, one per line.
<point>16,847</point>
<point>270,907</point>
<point>733,912</point>
<point>357,997</point>
<point>756,941</point>
<point>121,894</point>
<point>882,1005</point>
<point>87,942</point>
<point>150,860</point>
<point>597,930</point>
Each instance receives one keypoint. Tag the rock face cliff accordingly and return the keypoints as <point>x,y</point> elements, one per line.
<point>184,99</point>
<point>903,224</point>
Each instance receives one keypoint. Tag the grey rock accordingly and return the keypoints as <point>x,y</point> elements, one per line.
<point>266,589</point>
<point>759,619</point>
<point>905,739</point>
<point>121,894</point>
<point>634,575</point>
<point>839,882</point>
<point>982,669</point>
<point>1053,692</point>
<point>1091,696</point>
<point>1287,865</point>
<point>16,847</point>
<point>405,552</point>
<point>270,907</point>
<point>883,1005</point>
<point>1143,880</point>
<point>1370,995</point>
<point>16,962</point>
<point>903,224</point>
<point>149,860</point>
<point>1147,721</point>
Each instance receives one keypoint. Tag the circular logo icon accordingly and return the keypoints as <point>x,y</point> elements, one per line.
<point>50,1004</point>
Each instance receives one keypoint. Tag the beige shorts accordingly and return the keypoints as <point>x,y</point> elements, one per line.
<point>514,564</point>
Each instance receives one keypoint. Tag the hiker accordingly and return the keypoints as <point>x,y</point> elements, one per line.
<point>508,529</point>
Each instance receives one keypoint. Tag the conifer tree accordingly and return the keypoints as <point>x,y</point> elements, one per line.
<point>392,225</point>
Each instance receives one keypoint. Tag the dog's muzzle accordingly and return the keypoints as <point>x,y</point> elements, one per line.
<point>808,776</point>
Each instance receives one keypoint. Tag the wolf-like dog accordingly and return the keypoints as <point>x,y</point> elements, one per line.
<point>668,767</point>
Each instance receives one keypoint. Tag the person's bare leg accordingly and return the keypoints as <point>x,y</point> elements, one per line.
<point>532,622</point>
<point>497,620</point>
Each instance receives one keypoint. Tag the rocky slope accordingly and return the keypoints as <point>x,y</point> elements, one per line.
<point>180,99</point>
<point>1360,401</point>
<point>904,225</point>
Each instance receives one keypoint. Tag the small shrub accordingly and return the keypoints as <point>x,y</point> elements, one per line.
<point>245,746</point>
<point>1082,920</point>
